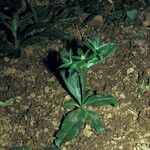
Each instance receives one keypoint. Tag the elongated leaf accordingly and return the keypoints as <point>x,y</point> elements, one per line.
<point>7,102</point>
<point>33,40</point>
<point>100,100</point>
<point>100,51</point>
<point>71,126</point>
<point>37,12</point>
<point>21,148</point>
<point>95,121</point>
<point>132,14</point>
<point>32,28</point>
<point>72,82</point>
<point>70,104</point>
<point>106,50</point>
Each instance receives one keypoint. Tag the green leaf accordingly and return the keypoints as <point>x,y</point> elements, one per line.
<point>100,51</point>
<point>95,121</point>
<point>93,44</point>
<point>106,50</point>
<point>71,126</point>
<point>100,100</point>
<point>92,61</point>
<point>66,58</point>
<point>7,102</point>
<point>72,82</point>
<point>21,148</point>
<point>70,104</point>
<point>132,13</point>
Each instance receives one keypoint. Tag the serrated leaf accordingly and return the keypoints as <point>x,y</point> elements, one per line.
<point>70,104</point>
<point>93,44</point>
<point>101,100</point>
<point>94,120</point>
<point>71,126</point>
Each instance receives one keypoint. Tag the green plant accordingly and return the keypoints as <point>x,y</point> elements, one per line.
<point>7,102</point>
<point>143,85</point>
<point>22,26</point>
<point>73,69</point>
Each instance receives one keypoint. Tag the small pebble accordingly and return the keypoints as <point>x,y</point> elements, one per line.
<point>45,130</point>
<point>87,131</point>
<point>32,95</point>
<point>10,71</point>
<point>130,70</point>
<point>6,59</point>
<point>46,89</point>
<point>68,98</point>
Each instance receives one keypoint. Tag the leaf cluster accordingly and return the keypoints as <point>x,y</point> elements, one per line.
<point>95,52</point>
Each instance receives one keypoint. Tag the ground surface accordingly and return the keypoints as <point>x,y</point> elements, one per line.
<point>34,117</point>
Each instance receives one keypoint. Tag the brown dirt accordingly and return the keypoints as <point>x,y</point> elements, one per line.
<point>35,116</point>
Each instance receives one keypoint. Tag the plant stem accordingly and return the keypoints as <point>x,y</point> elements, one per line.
<point>82,81</point>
